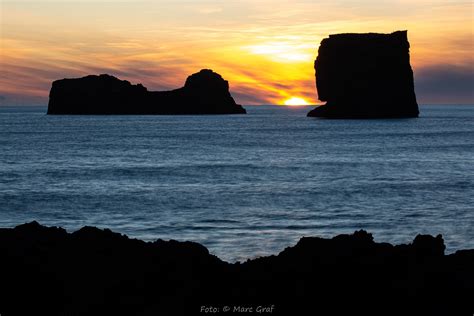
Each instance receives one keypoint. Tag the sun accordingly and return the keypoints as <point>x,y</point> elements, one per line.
<point>295,102</point>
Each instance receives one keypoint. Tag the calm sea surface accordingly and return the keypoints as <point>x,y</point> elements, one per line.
<point>243,185</point>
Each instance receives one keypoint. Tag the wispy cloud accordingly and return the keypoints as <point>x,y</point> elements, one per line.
<point>209,10</point>
<point>445,83</point>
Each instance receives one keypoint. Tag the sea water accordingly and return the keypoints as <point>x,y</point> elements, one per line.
<point>242,185</point>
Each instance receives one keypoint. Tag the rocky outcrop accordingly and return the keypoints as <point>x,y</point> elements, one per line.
<point>205,92</point>
<point>47,271</point>
<point>365,76</point>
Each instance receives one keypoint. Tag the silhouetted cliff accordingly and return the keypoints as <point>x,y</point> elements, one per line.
<point>47,271</point>
<point>365,76</point>
<point>205,92</point>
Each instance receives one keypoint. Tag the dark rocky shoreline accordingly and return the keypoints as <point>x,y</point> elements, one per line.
<point>48,271</point>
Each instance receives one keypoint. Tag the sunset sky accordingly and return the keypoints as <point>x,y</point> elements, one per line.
<point>264,48</point>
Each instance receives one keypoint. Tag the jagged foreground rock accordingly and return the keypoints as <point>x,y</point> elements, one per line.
<point>47,271</point>
<point>365,76</point>
<point>205,92</point>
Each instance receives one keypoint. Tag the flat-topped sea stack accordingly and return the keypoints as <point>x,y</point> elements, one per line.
<point>365,76</point>
<point>205,92</point>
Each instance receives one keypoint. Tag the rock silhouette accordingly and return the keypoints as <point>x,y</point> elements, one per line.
<point>47,271</point>
<point>365,76</point>
<point>205,92</point>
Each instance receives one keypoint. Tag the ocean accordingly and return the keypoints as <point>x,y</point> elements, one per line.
<point>242,185</point>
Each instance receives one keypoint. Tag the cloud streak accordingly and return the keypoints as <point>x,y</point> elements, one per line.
<point>442,84</point>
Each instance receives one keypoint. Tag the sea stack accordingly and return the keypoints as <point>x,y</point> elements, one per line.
<point>365,76</point>
<point>205,92</point>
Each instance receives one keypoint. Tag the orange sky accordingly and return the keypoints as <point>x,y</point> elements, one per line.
<point>264,48</point>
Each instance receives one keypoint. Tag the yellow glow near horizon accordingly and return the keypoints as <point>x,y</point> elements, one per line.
<point>294,101</point>
<point>283,51</point>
